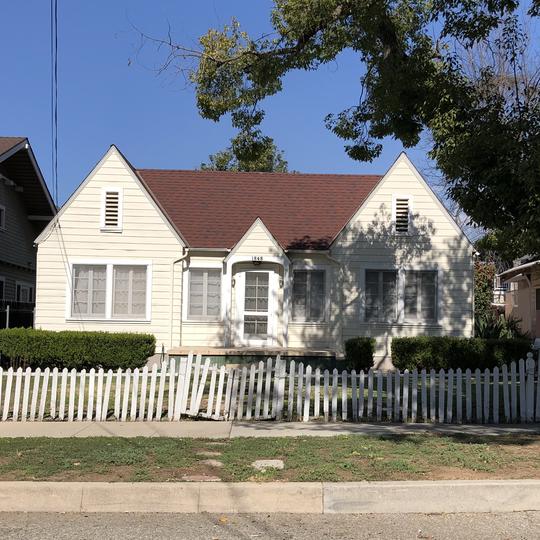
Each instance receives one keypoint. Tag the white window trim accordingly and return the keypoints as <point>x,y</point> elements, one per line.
<point>400,319</point>
<point>396,196</point>
<point>3,280</point>
<point>120,192</point>
<point>308,265</point>
<point>202,265</point>
<point>3,216</point>
<point>29,286</point>
<point>109,263</point>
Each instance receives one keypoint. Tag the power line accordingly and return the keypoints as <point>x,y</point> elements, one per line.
<point>54,97</point>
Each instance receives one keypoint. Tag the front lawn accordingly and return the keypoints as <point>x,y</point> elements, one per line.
<point>343,458</point>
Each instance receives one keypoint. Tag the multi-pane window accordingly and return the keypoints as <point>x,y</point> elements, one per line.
<point>204,293</point>
<point>256,304</point>
<point>381,295</point>
<point>420,296</point>
<point>416,292</point>
<point>2,217</point>
<point>110,291</point>
<point>2,288</point>
<point>89,290</point>
<point>129,292</point>
<point>308,295</point>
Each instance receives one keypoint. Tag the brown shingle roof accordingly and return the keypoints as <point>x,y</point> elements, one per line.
<point>214,209</point>
<point>7,143</point>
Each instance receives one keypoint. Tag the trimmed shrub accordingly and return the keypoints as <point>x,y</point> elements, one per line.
<point>429,352</point>
<point>71,349</point>
<point>359,353</point>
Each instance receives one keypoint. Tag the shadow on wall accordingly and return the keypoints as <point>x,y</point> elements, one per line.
<point>376,246</point>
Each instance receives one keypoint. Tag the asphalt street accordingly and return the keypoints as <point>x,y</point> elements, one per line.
<point>518,525</point>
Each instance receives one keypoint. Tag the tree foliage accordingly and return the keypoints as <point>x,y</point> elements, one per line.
<point>268,159</point>
<point>454,70</point>
<point>484,275</point>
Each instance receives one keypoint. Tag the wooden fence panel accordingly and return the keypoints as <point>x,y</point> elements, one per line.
<point>260,391</point>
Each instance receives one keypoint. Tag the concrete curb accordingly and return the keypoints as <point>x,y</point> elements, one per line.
<point>292,497</point>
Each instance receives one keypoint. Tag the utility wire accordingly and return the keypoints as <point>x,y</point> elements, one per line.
<point>54,98</point>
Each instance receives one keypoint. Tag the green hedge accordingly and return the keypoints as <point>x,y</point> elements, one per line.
<point>425,352</point>
<point>70,349</point>
<point>359,353</point>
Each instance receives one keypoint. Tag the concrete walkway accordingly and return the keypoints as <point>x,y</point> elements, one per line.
<point>227,430</point>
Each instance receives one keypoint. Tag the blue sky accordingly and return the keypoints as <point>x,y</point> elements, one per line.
<point>110,93</point>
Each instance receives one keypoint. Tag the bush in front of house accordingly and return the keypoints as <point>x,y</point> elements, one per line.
<point>444,352</point>
<point>73,349</point>
<point>359,353</point>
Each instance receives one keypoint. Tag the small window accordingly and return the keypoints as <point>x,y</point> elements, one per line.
<point>402,215</point>
<point>537,299</point>
<point>24,293</point>
<point>420,297</point>
<point>2,288</point>
<point>89,290</point>
<point>381,295</point>
<point>111,218</point>
<point>2,218</point>
<point>308,295</point>
<point>204,293</point>
<point>129,292</point>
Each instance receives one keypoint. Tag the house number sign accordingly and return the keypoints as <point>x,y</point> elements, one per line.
<point>257,259</point>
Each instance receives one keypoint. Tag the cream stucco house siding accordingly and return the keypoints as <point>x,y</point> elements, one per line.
<point>77,237</point>
<point>243,295</point>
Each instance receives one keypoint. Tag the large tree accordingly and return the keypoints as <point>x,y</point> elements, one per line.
<point>483,124</point>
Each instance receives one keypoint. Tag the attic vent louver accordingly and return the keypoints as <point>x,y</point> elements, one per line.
<point>112,209</point>
<point>402,213</point>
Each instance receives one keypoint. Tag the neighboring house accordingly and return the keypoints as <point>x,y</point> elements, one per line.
<point>522,301</point>
<point>25,209</point>
<point>207,259</point>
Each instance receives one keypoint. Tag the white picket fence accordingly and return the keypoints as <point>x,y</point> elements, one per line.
<point>272,390</point>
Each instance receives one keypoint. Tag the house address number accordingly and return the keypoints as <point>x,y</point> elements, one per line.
<point>257,258</point>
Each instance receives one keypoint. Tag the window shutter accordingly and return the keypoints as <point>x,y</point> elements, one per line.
<point>402,213</point>
<point>111,211</point>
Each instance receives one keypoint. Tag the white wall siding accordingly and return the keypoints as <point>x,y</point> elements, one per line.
<point>145,236</point>
<point>369,242</point>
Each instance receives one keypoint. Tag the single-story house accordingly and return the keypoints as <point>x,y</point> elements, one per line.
<point>220,261</point>
<point>522,299</point>
<point>26,207</point>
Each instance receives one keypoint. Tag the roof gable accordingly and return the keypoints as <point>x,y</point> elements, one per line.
<point>403,159</point>
<point>18,163</point>
<point>112,151</point>
<point>213,209</point>
<point>261,238</point>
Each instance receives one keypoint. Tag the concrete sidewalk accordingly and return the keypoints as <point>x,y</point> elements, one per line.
<point>227,430</point>
<point>421,497</point>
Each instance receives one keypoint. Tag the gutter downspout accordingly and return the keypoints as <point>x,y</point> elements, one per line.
<point>182,258</point>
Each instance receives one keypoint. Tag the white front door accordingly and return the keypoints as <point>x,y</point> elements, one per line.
<point>255,301</point>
